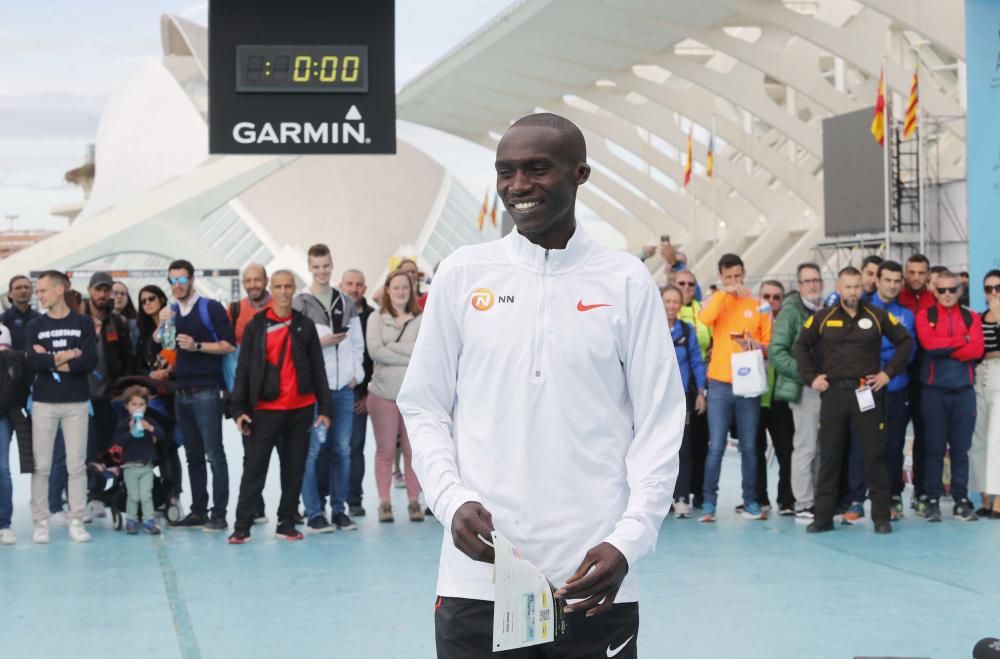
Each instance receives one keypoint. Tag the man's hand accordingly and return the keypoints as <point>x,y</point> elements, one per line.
<point>243,422</point>
<point>160,374</point>
<point>185,342</point>
<point>877,382</point>
<point>361,405</point>
<point>669,253</point>
<point>39,349</point>
<point>98,325</point>
<point>336,339</point>
<point>747,343</point>
<point>820,384</point>
<point>63,368</point>
<point>700,404</point>
<point>596,581</point>
<point>470,525</point>
<point>322,421</point>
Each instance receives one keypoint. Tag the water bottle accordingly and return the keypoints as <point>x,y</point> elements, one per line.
<point>137,429</point>
<point>169,334</point>
<point>320,433</point>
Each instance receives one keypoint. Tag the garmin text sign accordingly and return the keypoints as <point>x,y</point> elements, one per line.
<point>301,77</point>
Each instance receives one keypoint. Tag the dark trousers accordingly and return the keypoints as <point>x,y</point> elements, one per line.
<point>463,629</point>
<point>699,452</point>
<point>839,416</point>
<point>949,419</point>
<point>682,488</point>
<point>358,432</point>
<point>897,417</point>
<point>919,431</point>
<point>199,416</point>
<point>777,422</point>
<point>289,432</point>
<point>258,507</point>
<point>100,434</point>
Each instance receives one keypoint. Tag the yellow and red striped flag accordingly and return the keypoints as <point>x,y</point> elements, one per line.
<point>688,163</point>
<point>710,158</point>
<point>482,210</point>
<point>878,121</point>
<point>910,124</point>
<point>493,211</point>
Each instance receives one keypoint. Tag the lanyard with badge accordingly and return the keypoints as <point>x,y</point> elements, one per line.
<point>866,399</point>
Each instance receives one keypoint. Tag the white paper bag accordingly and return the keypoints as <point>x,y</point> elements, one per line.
<point>749,374</point>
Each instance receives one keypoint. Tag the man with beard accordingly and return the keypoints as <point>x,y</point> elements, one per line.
<point>204,335</point>
<point>845,341</point>
<point>114,360</point>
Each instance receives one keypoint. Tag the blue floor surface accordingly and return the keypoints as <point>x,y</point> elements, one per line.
<point>733,589</point>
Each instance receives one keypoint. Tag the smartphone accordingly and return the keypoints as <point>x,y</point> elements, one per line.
<point>665,239</point>
<point>248,428</point>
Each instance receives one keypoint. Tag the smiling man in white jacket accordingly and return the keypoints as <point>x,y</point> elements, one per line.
<point>543,399</point>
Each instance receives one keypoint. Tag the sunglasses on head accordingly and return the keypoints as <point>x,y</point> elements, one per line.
<point>991,289</point>
<point>147,300</point>
<point>178,281</point>
<point>947,289</point>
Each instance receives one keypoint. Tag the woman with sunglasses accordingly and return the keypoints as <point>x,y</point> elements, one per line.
<point>125,308</point>
<point>985,453</point>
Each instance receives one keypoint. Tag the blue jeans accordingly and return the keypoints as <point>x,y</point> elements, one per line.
<point>722,406</point>
<point>359,428</point>
<point>6,484</point>
<point>338,442</point>
<point>199,416</point>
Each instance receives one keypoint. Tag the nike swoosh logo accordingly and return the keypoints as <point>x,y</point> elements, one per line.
<point>614,653</point>
<point>580,306</point>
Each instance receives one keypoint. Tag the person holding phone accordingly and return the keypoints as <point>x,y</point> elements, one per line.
<point>278,384</point>
<point>342,339</point>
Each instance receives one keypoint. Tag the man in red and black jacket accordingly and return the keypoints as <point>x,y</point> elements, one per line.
<point>279,375</point>
<point>916,297</point>
<point>952,339</point>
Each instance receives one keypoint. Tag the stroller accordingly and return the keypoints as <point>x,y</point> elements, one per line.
<point>115,496</point>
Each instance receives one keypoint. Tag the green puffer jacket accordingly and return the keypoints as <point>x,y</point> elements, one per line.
<point>788,384</point>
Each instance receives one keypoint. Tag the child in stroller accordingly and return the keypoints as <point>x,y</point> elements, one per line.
<point>123,450</point>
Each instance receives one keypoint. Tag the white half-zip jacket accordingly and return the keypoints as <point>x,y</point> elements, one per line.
<point>544,385</point>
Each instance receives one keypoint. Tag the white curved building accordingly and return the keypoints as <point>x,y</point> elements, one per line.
<point>159,195</point>
<point>636,75</point>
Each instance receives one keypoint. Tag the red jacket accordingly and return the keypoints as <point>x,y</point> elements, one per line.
<point>916,302</point>
<point>951,348</point>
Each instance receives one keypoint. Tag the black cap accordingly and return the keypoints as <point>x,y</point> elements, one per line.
<point>99,279</point>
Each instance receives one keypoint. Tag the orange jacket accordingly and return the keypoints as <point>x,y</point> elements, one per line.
<point>727,314</point>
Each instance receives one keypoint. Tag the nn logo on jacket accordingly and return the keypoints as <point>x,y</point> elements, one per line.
<point>483,299</point>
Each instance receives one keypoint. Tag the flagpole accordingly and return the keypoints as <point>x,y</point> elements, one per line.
<point>921,153</point>
<point>887,143</point>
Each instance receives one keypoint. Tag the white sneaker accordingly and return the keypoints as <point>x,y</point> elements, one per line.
<point>58,519</point>
<point>97,509</point>
<point>41,534</point>
<point>682,510</point>
<point>7,537</point>
<point>77,533</point>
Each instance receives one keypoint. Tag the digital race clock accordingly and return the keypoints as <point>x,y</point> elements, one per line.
<point>314,69</point>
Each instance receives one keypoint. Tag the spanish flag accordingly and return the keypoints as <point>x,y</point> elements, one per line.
<point>482,210</point>
<point>493,211</point>
<point>710,158</point>
<point>910,124</point>
<point>688,163</point>
<point>878,121</point>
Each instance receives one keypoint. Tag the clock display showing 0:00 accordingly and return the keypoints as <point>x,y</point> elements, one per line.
<point>302,69</point>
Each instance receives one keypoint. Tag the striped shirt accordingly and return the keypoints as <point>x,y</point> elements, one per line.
<point>991,336</point>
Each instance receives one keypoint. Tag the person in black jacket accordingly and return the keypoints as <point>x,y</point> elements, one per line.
<point>279,375</point>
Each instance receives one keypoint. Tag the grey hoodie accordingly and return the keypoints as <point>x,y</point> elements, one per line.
<point>344,361</point>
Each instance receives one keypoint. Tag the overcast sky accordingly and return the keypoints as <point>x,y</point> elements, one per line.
<point>66,57</point>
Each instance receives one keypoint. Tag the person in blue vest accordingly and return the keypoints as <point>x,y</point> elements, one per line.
<point>897,403</point>
<point>692,367</point>
<point>204,337</point>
